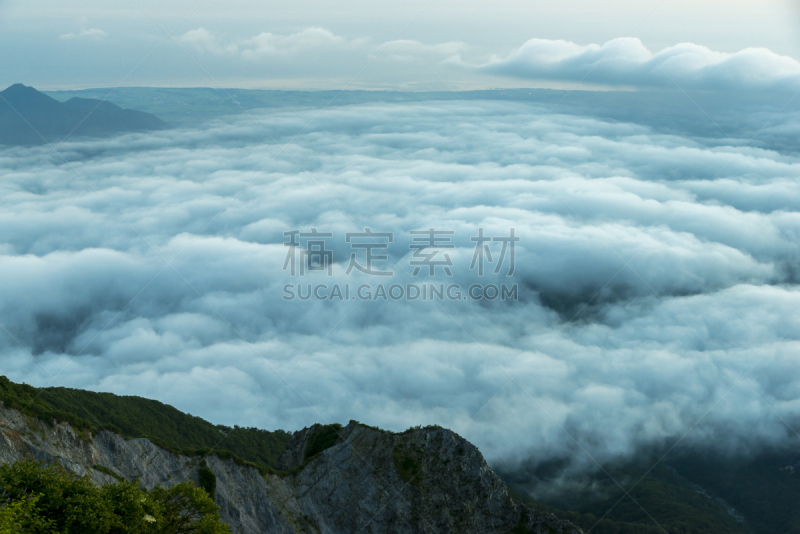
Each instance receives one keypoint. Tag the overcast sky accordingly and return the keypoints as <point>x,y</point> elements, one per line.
<point>318,44</point>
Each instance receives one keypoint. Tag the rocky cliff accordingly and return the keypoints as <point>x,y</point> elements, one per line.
<point>347,480</point>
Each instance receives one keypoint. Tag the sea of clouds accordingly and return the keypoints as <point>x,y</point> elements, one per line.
<point>657,274</point>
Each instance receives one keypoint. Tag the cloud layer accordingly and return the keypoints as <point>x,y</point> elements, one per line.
<point>622,62</point>
<point>657,275</point>
<point>627,62</point>
<point>93,34</point>
<point>325,53</point>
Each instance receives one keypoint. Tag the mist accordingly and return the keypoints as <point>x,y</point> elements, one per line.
<point>656,270</point>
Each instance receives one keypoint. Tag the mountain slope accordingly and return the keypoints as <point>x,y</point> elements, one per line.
<point>763,488</point>
<point>662,502</point>
<point>363,480</point>
<point>27,116</point>
<point>689,490</point>
<point>136,417</point>
<point>763,494</point>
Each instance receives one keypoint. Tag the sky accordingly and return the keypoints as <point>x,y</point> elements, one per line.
<point>656,268</point>
<point>311,44</point>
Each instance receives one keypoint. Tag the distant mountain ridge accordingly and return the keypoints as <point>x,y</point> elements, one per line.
<point>29,117</point>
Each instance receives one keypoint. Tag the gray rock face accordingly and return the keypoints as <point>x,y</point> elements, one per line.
<point>369,481</point>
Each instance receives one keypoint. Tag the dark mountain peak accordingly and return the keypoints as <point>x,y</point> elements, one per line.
<point>29,117</point>
<point>22,95</point>
<point>20,91</point>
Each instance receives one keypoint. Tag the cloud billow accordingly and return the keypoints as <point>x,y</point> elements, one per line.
<point>655,270</point>
<point>627,62</point>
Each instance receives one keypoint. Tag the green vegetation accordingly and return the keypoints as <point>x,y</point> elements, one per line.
<point>208,480</point>
<point>323,438</point>
<point>359,423</point>
<point>51,500</point>
<point>21,515</point>
<point>407,465</point>
<point>420,427</point>
<point>136,417</point>
<point>765,491</point>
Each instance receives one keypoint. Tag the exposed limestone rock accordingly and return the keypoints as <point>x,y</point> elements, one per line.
<point>369,481</point>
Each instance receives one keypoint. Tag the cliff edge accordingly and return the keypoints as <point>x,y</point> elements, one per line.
<point>335,480</point>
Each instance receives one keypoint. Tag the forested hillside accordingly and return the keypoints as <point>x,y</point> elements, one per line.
<point>134,417</point>
<point>686,494</point>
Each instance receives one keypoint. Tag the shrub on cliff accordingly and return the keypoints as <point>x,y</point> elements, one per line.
<point>44,500</point>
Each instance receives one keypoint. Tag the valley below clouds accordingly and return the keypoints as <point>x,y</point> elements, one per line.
<point>657,270</point>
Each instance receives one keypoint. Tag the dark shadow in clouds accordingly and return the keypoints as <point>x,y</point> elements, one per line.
<point>55,333</point>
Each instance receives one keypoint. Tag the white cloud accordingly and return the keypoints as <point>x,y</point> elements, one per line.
<point>627,62</point>
<point>203,40</point>
<point>408,50</point>
<point>93,34</point>
<point>311,39</point>
<point>315,44</point>
<point>623,62</point>
<point>269,45</point>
